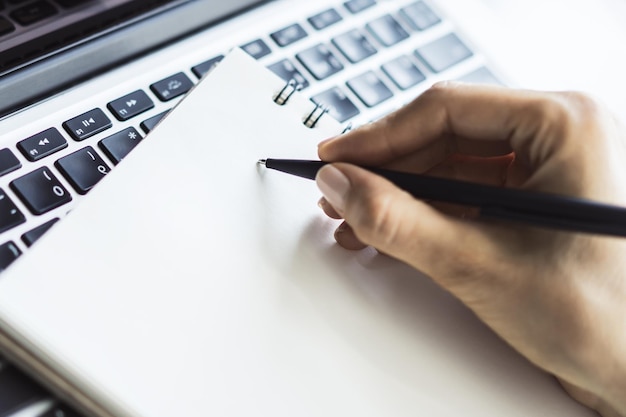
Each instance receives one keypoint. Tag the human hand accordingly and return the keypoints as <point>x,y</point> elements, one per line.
<point>558,298</point>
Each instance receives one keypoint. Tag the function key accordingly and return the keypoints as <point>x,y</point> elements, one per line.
<point>403,72</point>
<point>33,13</point>
<point>370,89</point>
<point>130,105</point>
<point>151,123</point>
<point>420,16</point>
<point>257,49</point>
<point>357,6</point>
<point>30,237</point>
<point>204,68</point>
<point>5,26</point>
<point>289,35</point>
<point>320,61</point>
<point>10,215</point>
<point>8,253</point>
<point>325,19</point>
<point>41,191</point>
<point>387,30</point>
<point>42,144</point>
<point>83,169</point>
<point>87,124</point>
<point>339,106</point>
<point>8,162</point>
<point>286,70</point>
<point>117,146</point>
<point>444,53</point>
<point>172,87</point>
<point>354,45</point>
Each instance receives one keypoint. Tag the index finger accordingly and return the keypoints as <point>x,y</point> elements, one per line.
<point>477,120</point>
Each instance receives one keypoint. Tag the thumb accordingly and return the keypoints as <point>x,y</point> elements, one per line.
<point>394,222</point>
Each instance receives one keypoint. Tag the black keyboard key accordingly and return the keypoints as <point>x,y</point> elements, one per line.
<point>339,106</point>
<point>204,68</point>
<point>481,76</point>
<point>419,16</point>
<point>172,87</point>
<point>286,70</point>
<point>117,146</point>
<point>357,6</point>
<point>320,61</point>
<point>130,105</point>
<point>387,30</point>
<point>403,72</point>
<point>41,191</point>
<point>42,144</point>
<point>10,215</point>
<point>148,125</point>
<point>257,49</point>
<point>354,45</point>
<point>83,169</point>
<point>8,162</point>
<point>87,124</point>
<point>444,53</point>
<point>33,13</point>
<point>30,237</point>
<point>325,19</point>
<point>5,26</point>
<point>9,252</point>
<point>290,34</point>
<point>370,89</point>
<point>18,390</point>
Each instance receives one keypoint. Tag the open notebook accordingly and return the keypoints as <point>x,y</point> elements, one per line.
<point>218,289</point>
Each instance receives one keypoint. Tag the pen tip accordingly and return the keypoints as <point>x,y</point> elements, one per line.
<point>262,162</point>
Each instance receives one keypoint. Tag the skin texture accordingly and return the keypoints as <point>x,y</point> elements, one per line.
<point>558,298</point>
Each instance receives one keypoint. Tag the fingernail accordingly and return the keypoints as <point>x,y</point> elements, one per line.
<point>334,186</point>
<point>324,142</point>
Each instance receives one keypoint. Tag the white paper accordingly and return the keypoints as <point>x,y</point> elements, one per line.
<point>193,282</point>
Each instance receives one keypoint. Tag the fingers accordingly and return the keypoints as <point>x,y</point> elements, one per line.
<point>392,221</point>
<point>473,120</point>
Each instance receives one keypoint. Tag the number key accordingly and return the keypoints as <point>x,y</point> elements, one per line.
<point>83,169</point>
<point>40,191</point>
<point>10,216</point>
<point>8,253</point>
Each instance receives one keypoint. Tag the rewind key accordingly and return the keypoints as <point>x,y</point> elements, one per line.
<point>42,144</point>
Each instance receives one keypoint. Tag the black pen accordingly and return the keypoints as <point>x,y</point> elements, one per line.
<point>522,206</point>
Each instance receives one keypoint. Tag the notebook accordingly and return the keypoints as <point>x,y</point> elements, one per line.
<point>75,106</point>
<point>227,296</point>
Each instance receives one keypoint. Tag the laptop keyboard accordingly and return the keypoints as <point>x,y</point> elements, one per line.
<point>360,59</point>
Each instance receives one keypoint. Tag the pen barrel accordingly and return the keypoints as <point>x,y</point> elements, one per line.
<point>522,206</point>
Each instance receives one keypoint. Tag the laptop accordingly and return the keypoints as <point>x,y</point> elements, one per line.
<point>83,82</point>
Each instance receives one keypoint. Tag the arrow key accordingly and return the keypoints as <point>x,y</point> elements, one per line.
<point>42,144</point>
